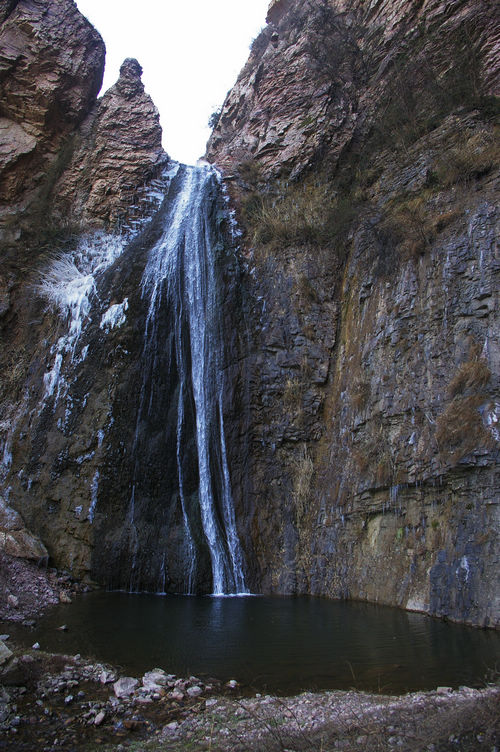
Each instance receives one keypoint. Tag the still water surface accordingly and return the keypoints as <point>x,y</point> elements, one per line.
<point>276,644</point>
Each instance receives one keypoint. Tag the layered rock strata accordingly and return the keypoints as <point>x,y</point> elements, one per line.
<point>117,152</point>
<point>368,382</point>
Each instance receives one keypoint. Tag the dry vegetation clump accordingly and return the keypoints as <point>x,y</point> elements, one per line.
<point>460,429</point>
<point>304,214</point>
<point>473,375</point>
<point>360,393</point>
<point>305,290</point>
<point>469,160</point>
<point>410,226</point>
<point>292,393</point>
<point>373,458</point>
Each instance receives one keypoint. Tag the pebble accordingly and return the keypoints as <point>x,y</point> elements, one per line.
<point>176,694</point>
<point>194,691</point>
<point>107,677</point>
<point>99,718</point>
<point>232,684</point>
<point>68,699</point>
<point>36,646</point>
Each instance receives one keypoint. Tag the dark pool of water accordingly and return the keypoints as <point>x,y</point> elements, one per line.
<point>276,644</point>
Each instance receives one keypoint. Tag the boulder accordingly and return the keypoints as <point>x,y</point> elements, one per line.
<point>5,653</point>
<point>155,680</point>
<point>125,686</point>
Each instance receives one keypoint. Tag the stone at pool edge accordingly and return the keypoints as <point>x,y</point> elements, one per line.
<point>5,653</point>
<point>125,686</point>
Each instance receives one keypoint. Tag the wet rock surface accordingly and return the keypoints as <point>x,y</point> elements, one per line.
<point>365,456</point>
<point>362,404</point>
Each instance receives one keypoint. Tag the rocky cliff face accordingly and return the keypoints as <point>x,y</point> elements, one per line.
<point>51,67</point>
<point>117,152</point>
<point>320,71</point>
<point>362,401</point>
<point>360,146</point>
<point>67,161</point>
<point>70,165</point>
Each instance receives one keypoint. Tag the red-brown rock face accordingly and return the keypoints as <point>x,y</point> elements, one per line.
<point>51,66</point>
<point>119,149</point>
<point>316,74</point>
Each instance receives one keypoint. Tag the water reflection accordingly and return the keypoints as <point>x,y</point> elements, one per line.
<point>279,644</point>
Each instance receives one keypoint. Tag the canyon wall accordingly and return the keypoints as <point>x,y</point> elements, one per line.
<point>360,145</point>
<point>360,149</point>
<point>76,172</point>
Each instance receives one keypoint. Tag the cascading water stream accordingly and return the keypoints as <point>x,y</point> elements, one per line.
<point>180,273</point>
<point>132,393</point>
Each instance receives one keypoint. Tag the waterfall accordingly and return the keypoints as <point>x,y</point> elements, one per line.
<point>180,274</point>
<point>132,395</point>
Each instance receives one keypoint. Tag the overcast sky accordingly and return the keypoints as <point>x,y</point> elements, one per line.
<point>191,52</point>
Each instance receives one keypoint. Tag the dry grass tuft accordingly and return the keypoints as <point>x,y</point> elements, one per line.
<point>460,429</point>
<point>410,226</point>
<point>308,213</point>
<point>471,159</point>
<point>360,394</point>
<point>471,376</point>
<point>292,393</point>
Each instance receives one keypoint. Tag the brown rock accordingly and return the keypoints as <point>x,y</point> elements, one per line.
<point>51,67</point>
<point>9,518</point>
<point>15,539</point>
<point>23,545</point>
<point>277,9</point>
<point>119,151</point>
<point>307,90</point>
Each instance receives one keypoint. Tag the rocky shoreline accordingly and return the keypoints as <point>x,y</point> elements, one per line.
<point>54,702</point>
<point>59,702</point>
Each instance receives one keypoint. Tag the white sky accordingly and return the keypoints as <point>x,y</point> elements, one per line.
<point>191,52</point>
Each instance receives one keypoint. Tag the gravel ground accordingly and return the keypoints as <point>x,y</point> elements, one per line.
<point>26,590</point>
